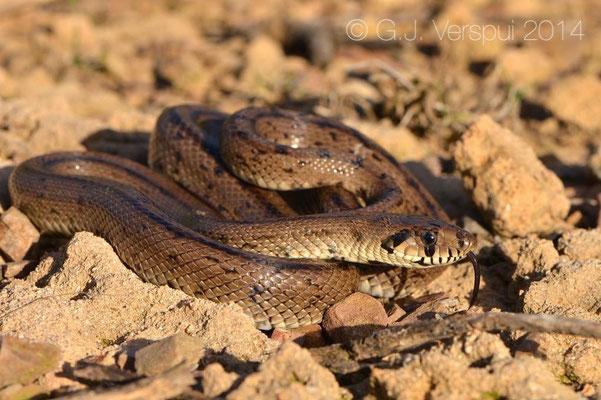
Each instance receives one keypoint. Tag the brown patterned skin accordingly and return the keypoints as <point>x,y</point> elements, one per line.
<point>168,236</point>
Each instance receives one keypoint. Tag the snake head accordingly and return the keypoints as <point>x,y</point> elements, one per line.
<point>422,242</point>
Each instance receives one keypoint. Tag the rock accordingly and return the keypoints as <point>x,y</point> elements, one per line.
<point>458,373</point>
<point>508,183</point>
<point>430,309</point>
<point>23,361</point>
<point>532,256</point>
<point>529,378</point>
<point>74,35</point>
<point>12,269</point>
<point>531,259</point>
<point>356,316</point>
<point>13,147</point>
<point>398,140</point>
<point>576,99</point>
<point>306,336</point>
<point>525,66</point>
<point>216,381</point>
<point>46,124</point>
<point>573,360</point>
<point>18,391</point>
<point>170,384</point>
<point>572,289</point>
<point>84,299</point>
<point>180,67</point>
<point>580,244</point>
<point>98,374</point>
<point>17,234</point>
<point>290,373</point>
<point>264,69</point>
<point>125,361</point>
<point>169,352</point>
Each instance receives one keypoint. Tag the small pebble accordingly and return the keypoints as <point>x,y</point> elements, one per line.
<point>355,317</point>
<point>306,336</point>
<point>169,352</point>
<point>17,234</point>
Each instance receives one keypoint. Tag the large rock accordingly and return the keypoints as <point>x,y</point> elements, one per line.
<point>83,299</point>
<point>454,373</point>
<point>572,289</point>
<point>290,374</point>
<point>22,362</point>
<point>513,189</point>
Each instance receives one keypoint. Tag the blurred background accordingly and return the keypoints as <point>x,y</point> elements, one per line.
<point>413,74</point>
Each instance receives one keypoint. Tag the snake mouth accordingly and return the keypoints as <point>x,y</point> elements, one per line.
<point>427,262</point>
<point>434,261</point>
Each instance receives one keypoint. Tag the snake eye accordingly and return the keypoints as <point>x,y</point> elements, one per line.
<point>428,238</point>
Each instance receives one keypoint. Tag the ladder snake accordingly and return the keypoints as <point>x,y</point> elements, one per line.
<point>235,228</point>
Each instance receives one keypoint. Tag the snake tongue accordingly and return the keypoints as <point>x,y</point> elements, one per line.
<point>474,262</point>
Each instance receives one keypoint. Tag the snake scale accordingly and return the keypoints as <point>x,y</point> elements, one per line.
<point>235,228</point>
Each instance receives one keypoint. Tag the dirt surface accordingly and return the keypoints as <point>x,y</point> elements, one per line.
<point>505,132</point>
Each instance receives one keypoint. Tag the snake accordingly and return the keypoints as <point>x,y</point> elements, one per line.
<point>282,212</point>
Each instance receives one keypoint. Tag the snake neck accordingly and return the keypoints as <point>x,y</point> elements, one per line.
<point>365,238</point>
<point>311,237</point>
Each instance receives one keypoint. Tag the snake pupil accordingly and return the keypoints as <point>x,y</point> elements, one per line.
<point>428,238</point>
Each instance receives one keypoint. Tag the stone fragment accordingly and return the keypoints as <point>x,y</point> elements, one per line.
<point>23,361</point>
<point>264,67</point>
<point>97,374</point>
<point>125,361</point>
<point>306,336</point>
<point>532,256</point>
<point>17,234</point>
<point>581,244</point>
<point>216,380</point>
<point>169,352</point>
<point>12,269</point>
<point>509,184</point>
<point>525,66</point>
<point>18,392</point>
<point>572,289</point>
<point>354,317</point>
<point>458,373</point>
<point>290,374</point>
<point>576,99</point>
<point>398,140</point>
<point>172,383</point>
<point>430,309</point>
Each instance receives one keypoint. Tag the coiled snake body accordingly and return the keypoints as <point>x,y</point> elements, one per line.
<point>235,240</point>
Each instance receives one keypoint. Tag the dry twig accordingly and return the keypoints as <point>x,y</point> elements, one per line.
<point>403,338</point>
